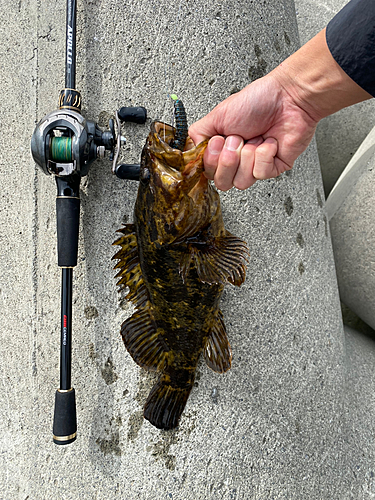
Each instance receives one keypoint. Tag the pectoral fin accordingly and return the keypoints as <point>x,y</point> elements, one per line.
<point>217,352</point>
<point>222,260</point>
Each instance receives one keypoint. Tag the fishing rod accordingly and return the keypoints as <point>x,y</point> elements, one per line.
<point>65,144</point>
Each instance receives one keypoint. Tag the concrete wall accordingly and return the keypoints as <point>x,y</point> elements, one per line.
<point>277,425</point>
<point>349,210</point>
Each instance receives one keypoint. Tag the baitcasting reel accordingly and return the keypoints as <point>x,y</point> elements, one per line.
<point>65,143</point>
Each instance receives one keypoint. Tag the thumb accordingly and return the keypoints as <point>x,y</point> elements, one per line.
<point>203,129</point>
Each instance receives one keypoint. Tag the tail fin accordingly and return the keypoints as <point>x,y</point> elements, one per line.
<point>165,404</point>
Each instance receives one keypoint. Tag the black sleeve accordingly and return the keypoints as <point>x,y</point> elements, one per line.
<point>351,39</point>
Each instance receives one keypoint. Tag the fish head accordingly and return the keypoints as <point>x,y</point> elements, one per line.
<point>175,200</point>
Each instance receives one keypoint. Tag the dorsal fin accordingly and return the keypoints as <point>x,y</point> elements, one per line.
<point>142,340</point>
<point>217,351</point>
<point>138,332</point>
<point>130,272</point>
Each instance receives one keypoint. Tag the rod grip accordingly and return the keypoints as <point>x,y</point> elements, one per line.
<point>65,417</point>
<point>67,215</point>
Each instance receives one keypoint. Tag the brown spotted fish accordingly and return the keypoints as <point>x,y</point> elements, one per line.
<point>176,259</point>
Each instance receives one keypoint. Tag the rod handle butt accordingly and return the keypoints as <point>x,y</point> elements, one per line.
<point>65,417</point>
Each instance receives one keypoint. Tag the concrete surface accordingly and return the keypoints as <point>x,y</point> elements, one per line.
<point>351,320</point>
<point>350,212</point>
<point>275,426</point>
<point>360,405</point>
<point>338,136</point>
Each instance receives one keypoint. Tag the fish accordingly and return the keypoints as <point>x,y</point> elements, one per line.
<point>175,258</point>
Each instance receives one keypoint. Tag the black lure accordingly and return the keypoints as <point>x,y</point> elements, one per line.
<point>181,126</point>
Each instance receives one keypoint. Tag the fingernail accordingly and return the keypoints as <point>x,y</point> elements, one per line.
<point>232,143</point>
<point>215,145</point>
<point>254,140</point>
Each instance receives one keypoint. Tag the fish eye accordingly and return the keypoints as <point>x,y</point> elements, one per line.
<point>145,176</point>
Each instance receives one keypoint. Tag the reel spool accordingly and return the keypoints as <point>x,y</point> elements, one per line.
<point>61,149</point>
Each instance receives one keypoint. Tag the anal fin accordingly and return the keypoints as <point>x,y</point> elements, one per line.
<point>217,352</point>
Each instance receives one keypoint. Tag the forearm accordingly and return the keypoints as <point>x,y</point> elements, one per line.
<point>315,81</point>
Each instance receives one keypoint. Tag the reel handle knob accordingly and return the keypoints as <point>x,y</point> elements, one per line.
<point>128,171</point>
<point>136,114</point>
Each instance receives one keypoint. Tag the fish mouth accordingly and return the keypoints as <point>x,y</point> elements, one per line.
<point>160,138</point>
<point>167,134</point>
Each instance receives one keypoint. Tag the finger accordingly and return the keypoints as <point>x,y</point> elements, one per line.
<point>202,129</point>
<point>211,155</point>
<point>264,165</point>
<point>228,162</point>
<point>281,166</point>
<point>244,176</point>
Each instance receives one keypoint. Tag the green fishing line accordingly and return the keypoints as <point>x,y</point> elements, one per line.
<point>61,149</point>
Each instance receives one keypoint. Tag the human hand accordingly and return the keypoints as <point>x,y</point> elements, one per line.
<point>257,133</point>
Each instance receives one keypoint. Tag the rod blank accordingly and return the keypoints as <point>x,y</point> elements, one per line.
<point>70,54</point>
